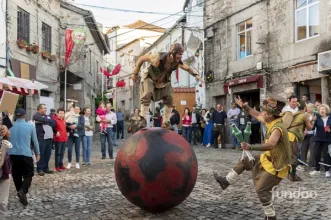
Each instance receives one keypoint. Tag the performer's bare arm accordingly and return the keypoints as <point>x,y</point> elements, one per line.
<point>153,59</point>
<point>310,124</point>
<point>192,72</point>
<point>271,144</point>
<point>249,110</point>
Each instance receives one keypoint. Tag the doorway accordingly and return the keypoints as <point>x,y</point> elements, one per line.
<point>252,97</point>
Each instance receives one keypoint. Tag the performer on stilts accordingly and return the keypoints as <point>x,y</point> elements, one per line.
<point>156,83</point>
<point>270,167</point>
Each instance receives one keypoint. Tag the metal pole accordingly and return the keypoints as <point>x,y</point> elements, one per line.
<point>65,88</point>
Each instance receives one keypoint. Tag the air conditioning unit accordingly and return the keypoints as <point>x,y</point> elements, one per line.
<point>324,61</point>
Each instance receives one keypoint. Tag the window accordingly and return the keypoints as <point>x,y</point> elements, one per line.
<point>199,3</point>
<point>245,39</point>
<point>23,25</point>
<point>47,38</point>
<point>307,19</point>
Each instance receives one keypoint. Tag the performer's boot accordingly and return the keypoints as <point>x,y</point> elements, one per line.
<point>293,176</point>
<point>269,212</point>
<point>224,182</point>
<point>166,117</point>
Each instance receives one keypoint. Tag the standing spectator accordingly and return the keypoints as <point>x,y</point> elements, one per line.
<point>101,112</point>
<point>208,135</point>
<point>88,135</point>
<point>305,99</point>
<point>322,140</point>
<point>174,119</point>
<point>53,114</point>
<point>187,125</point>
<point>308,142</point>
<point>256,125</point>
<point>196,118</point>
<point>120,124</point>
<point>22,135</point>
<point>137,122</point>
<point>157,117</point>
<point>243,118</point>
<point>219,117</point>
<point>292,106</point>
<point>318,103</point>
<point>74,136</point>
<point>232,115</point>
<point>45,135</point>
<point>60,139</point>
<point>111,120</point>
<point>203,123</point>
<point>149,119</point>
<point>114,131</point>
<point>5,173</point>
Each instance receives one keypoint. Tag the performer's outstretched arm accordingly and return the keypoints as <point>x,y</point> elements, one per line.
<point>272,142</point>
<point>140,61</point>
<point>249,110</point>
<point>192,72</point>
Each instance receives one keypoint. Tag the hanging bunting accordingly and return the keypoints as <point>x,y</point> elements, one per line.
<point>18,89</point>
<point>116,70</point>
<point>10,87</point>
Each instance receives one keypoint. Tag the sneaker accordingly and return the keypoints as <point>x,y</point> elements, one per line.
<point>103,157</point>
<point>88,164</point>
<point>300,168</point>
<point>23,200</point>
<point>69,166</point>
<point>315,172</point>
<point>111,157</point>
<point>41,173</point>
<point>62,168</point>
<point>208,145</point>
<point>84,164</point>
<point>77,166</point>
<point>58,169</point>
<point>327,174</point>
<point>76,135</point>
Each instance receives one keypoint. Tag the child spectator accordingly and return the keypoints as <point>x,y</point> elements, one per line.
<point>101,112</point>
<point>61,137</point>
<point>71,118</point>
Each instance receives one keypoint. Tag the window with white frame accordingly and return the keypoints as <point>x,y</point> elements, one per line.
<point>307,19</point>
<point>245,39</point>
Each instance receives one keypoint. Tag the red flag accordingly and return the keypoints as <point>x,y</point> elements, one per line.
<point>177,74</point>
<point>69,46</point>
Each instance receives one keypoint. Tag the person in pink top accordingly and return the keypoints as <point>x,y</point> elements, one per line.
<point>101,112</point>
<point>187,125</point>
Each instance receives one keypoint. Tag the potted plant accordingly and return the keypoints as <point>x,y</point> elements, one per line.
<point>35,48</point>
<point>29,47</point>
<point>45,54</point>
<point>52,58</point>
<point>21,43</point>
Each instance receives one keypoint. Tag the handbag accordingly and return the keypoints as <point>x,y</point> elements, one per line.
<point>203,124</point>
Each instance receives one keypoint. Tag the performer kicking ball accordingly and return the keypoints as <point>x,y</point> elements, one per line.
<point>156,83</point>
<point>269,168</point>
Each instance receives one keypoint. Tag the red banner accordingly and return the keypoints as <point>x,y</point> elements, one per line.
<point>69,46</point>
<point>177,74</point>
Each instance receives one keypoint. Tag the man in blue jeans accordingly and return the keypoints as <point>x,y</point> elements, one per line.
<point>120,124</point>
<point>111,120</point>
<point>44,128</point>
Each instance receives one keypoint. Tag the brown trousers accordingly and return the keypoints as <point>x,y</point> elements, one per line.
<point>263,181</point>
<point>149,93</point>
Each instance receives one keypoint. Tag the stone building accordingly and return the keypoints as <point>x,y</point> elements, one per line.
<point>84,79</point>
<point>260,47</point>
<point>37,24</point>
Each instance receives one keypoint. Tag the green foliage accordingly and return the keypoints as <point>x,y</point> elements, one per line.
<point>19,102</point>
<point>99,98</point>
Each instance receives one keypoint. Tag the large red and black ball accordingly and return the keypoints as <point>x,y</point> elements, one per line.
<point>156,169</point>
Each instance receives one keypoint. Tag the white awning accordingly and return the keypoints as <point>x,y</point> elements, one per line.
<point>20,85</point>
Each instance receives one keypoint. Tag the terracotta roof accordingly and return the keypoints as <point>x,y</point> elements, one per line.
<point>186,90</point>
<point>145,26</point>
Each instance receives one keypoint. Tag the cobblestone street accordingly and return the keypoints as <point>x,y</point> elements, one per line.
<point>92,193</point>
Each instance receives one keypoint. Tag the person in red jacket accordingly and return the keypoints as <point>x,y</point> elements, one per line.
<point>187,125</point>
<point>60,139</point>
